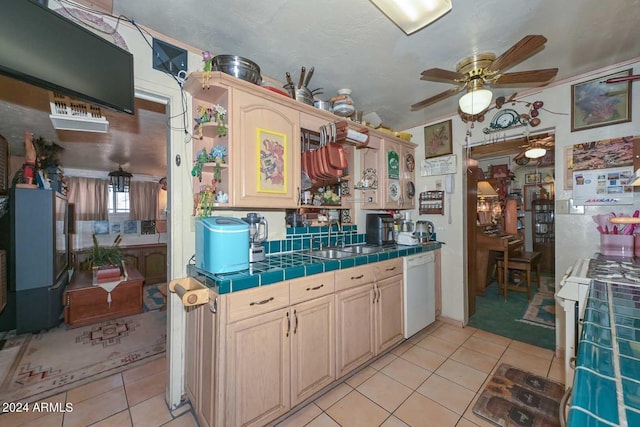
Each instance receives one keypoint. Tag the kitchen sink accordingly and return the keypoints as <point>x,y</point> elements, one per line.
<point>330,253</point>
<point>362,249</point>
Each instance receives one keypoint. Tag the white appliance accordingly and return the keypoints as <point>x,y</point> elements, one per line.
<point>419,292</point>
<point>408,239</point>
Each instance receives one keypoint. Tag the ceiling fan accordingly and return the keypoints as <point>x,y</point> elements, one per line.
<point>534,149</point>
<point>473,72</point>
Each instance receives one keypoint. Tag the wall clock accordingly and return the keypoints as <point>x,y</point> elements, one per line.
<point>504,119</point>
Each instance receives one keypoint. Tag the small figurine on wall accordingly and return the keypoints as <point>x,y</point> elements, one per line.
<point>207,58</point>
<point>26,175</point>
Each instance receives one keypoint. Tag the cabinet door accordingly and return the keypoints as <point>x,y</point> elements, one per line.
<point>312,347</point>
<point>155,266</point>
<point>408,173</point>
<point>258,373</point>
<point>389,314</point>
<point>371,179</point>
<point>266,150</point>
<point>392,173</point>
<point>354,328</point>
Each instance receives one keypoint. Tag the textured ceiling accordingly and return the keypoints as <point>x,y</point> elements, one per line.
<point>352,45</point>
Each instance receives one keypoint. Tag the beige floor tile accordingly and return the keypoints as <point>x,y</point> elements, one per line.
<point>333,395</point>
<point>49,420</point>
<point>462,374</point>
<point>420,411</point>
<point>393,422</point>
<point>424,358</point>
<point>121,419</point>
<point>356,410</point>
<point>406,373</point>
<point>453,334</point>
<point>302,417</point>
<point>185,420</point>
<point>485,347</point>
<point>447,393</point>
<point>542,353</point>
<point>12,419</point>
<point>139,372</point>
<point>420,335</point>
<point>96,408</point>
<point>488,336</point>
<point>402,348</point>
<point>385,391</point>
<point>145,388</point>
<point>383,361</point>
<point>466,423</point>
<point>323,420</point>
<point>476,360</point>
<point>152,412</point>
<point>361,376</point>
<point>438,345</point>
<point>556,371</point>
<point>95,388</point>
<point>526,361</point>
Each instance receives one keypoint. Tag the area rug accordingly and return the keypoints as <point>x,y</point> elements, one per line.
<point>541,310</point>
<point>152,298</point>
<point>61,359</point>
<point>515,398</point>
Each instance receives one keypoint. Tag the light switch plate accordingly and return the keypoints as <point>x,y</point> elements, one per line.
<point>562,207</point>
<point>575,210</point>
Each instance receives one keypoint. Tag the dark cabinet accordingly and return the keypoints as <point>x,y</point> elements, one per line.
<point>544,241</point>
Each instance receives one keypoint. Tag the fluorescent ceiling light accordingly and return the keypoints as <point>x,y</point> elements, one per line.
<point>475,101</point>
<point>412,15</point>
<point>535,152</point>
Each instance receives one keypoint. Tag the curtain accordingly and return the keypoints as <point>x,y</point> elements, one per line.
<point>143,200</point>
<point>89,195</point>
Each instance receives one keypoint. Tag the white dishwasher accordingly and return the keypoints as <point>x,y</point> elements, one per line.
<point>419,292</point>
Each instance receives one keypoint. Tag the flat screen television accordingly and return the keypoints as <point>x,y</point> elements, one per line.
<point>41,47</point>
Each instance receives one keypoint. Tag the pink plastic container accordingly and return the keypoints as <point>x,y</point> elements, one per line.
<point>621,245</point>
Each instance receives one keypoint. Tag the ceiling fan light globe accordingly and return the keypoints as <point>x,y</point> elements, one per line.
<point>475,101</point>
<point>535,152</point>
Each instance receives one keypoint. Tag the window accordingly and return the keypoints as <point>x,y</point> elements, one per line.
<point>118,201</point>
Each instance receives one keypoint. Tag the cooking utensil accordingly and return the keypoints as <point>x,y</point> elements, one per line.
<point>302,71</point>
<point>291,87</point>
<point>237,66</point>
<point>309,75</point>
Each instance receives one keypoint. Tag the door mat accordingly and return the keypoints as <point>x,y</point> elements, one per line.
<point>541,311</point>
<point>60,359</point>
<point>153,298</point>
<point>515,398</point>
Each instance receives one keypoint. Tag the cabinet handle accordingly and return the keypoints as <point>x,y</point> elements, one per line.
<point>357,277</point>
<point>264,301</point>
<point>374,295</point>
<point>379,293</point>
<point>288,323</point>
<point>295,328</point>
<point>572,363</point>
<point>315,288</point>
<point>390,269</point>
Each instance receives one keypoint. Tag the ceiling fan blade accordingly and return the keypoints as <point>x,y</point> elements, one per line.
<point>440,75</point>
<point>623,79</point>
<point>439,97</point>
<point>523,77</point>
<point>517,53</point>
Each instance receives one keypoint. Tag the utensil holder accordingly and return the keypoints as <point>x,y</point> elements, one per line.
<point>636,246</point>
<point>621,245</point>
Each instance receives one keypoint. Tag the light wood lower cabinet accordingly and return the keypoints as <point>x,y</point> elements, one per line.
<point>389,313</point>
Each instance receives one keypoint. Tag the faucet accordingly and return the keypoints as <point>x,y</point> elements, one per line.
<point>336,222</point>
<point>313,239</point>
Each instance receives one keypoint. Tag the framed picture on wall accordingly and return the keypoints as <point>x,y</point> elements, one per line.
<point>532,178</point>
<point>438,140</point>
<point>595,103</point>
<point>568,168</point>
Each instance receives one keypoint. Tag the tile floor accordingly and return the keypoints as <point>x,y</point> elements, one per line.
<point>432,379</point>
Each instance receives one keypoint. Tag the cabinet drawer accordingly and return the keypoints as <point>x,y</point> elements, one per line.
<point>310,287</point>
<point>249,303</point>
<point>388,268</point>
<point>351,277</point>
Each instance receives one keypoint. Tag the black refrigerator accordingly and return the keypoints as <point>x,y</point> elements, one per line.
<point>34,234</point>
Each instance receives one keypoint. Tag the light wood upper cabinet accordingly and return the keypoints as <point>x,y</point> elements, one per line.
<point>266,147</point>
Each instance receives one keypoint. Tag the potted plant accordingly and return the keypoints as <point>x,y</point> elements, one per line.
<point>106,261</point>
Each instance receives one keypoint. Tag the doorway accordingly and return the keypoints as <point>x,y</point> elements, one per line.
<point>521,193</point>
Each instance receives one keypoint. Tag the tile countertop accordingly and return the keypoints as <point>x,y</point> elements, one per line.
<point>292,265</point>
<point>606,387</point>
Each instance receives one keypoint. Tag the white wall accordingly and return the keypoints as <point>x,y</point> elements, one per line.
<point>576,235</point>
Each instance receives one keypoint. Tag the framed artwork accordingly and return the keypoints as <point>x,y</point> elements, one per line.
<point>438,140</point>
<point>532,178</point>
<point>130,227</point>
<point>272,152</point>
<point>499,171</point>
<point>101,227</point>
<point>568,168</point>
<point>534,191</point>
<point>595,103</point>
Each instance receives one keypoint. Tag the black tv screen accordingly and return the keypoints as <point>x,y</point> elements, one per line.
<point>39,46</point>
